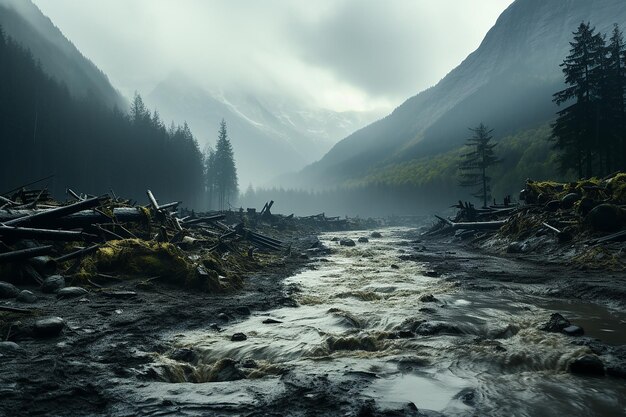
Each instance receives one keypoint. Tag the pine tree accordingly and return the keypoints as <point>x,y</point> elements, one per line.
<point>576,130</point>
<point>475,163</point>
<point>209,176</point>
<point>225,170</point>
<point>614,98</point>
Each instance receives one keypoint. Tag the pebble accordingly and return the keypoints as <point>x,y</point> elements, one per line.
<point>9,347</point>
<point>8,290</point>
<point>587,365</point>
<point>53,284</point>
<point>376,235</point>
<point>26,297</point>
<point>363,240</point>
<point>238,337</point>
<point>71,292</point>
<point>49,327</point>
<point>347,242</point>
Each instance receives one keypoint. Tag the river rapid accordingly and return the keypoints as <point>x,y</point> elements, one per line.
<point>383,332</point>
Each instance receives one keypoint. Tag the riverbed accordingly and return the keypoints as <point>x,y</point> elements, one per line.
<point>375,328</point>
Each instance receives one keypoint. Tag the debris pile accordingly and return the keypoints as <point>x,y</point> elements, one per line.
<point>583,222</point>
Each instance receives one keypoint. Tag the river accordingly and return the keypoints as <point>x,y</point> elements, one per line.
<point>401,336</point>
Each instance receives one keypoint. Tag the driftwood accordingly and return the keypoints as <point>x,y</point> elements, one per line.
<point>21,254</point>
<point>44,234</point>
<point>80,219</point>
<point>45,216</point>
<point>615,237</point>
<point>493,225</point>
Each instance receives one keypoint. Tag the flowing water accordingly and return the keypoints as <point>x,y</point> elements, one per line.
<point>361,313</point>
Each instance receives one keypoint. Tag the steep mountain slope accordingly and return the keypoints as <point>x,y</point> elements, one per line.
<point>270,135</point>
<point>506,83</point>
<point>26,24</point>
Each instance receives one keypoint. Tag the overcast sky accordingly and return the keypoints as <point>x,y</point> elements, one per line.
<point>338,54</point>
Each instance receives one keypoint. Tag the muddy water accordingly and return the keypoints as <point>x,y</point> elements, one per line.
<point>362,314</point>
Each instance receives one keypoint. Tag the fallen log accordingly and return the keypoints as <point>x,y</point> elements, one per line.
<point>21,254</point>
<point>45,216</point>
<point>493,225</point>
<point>44,234</point>
<point>615,237</point>
<point>84,218</point>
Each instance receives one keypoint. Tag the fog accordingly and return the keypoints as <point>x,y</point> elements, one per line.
<point>340,55</point>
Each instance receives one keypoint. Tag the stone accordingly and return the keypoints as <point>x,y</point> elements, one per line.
<point>238,337</point>
<point>363,240</point>
<point>335,239</point>
<point>249,363</point>
<point>8,290</point>
<point>26,297</point>
<point>556,324</point>
<point>53,284</point>
<point>183,355</point>
<point>568,201</point>
<point>394,266</point>
<point>71,292</point>
<point>433,328</point>
<point>376,235</point>
<point>243,310</point>
<point>587,365</point>
<point>271,321</point>
<point>606,218</point>
<point>405,334</point>
<point>431,274</point>
<point>9,347</point>
<point>573,331</point>
<point>428,298</point>
<point>553,205</point>
<point>49,327</point>
<point>226,370</point>
<point>347,242</point>
<point>223,317</point>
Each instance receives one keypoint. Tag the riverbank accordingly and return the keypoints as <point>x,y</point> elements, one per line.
<point>397,324</point>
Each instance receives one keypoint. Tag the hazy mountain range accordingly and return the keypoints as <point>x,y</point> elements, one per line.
<point>270,135</point>
<point>24,22</point>
<point>506,83</point>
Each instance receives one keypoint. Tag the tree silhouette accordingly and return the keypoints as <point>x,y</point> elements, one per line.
<point>225,172</point>
<point>475,163</point>
<point>576,130</point>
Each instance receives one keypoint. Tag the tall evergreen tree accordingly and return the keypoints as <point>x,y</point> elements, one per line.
<point>225,171</point>
<point>576,130</point>
<point>475,163</point>
<point>614,97</point>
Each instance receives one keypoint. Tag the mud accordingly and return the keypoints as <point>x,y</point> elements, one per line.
<point>138,349</point>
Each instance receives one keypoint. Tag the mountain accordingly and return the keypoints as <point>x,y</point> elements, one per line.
<point>507,83</point>
<point>27,25</point>
<point>270,135</point>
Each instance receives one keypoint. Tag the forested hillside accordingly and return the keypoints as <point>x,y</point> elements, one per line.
<point>86,145</point>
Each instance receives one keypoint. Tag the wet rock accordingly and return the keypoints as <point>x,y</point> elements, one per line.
<point>335,239</point>
<point>215,326</point>
<point>53,284</point>
<point>249,363</point>
<point>606,218</point>
<point>243,310</point>
<point>183,355</point>
<point>427,310</point>
<point>71,292</point>
<point>556,324</point>
<point>26,297</point>
<point>433,328</point>
<point>428,298</point>
<point>405,334</point>
<point>431,274</point>
<point>226,370</point>
<point>553,205</point>
<point>347,242</point>
<point>517,247</point>
<point>238,337</point>
<point>586,205</point>
<point>223,317</point>
<point>568,201</point>
<point>363,240</point>
<point>49,327</point>
<point>271,321</point>
<point>394,266</point>
<point>587,365</point>
<point>376,235</point>
<point>9,348</point>
<point>573,331</point>
<point>617,371</point>
<point>8,290</point>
